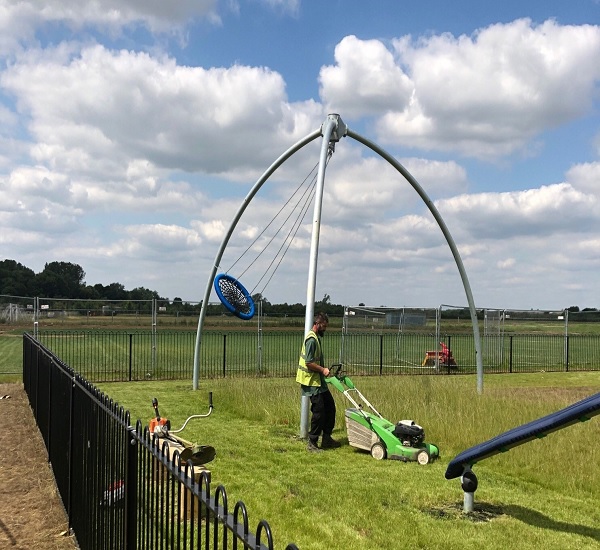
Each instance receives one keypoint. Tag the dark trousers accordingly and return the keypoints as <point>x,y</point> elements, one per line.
<point>322,407</point>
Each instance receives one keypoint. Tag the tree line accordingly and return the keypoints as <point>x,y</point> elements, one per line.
<point>66,280</point>
<point>63,280</point>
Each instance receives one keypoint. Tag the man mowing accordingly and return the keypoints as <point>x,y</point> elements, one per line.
<point>311,377</point>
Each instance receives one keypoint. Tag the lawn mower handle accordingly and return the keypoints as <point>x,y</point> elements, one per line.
<point>338,380</point>
<point>338,367</point>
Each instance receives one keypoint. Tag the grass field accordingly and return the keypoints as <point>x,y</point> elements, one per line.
<point>540,495</point>
<point>11,357</point>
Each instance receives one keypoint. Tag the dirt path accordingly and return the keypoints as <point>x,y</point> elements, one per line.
<point>31,512</point>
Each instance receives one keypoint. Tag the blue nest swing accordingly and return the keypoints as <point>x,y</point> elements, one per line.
<point>234,296</point>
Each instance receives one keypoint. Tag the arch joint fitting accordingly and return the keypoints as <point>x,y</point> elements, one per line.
<point>339,130</point>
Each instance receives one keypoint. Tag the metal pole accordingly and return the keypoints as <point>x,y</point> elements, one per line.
<point>469,483</point>
<point>259,338</point>
<point>36,306</point>
<point>344,329</point>
<point>296,147</point>
<point>131,500</point>
<point>468,502</point>
<point>154,321</point>
<point>130,355</point>
<point>438,336</point>
<point>333,122</point>
<point>566,344</point>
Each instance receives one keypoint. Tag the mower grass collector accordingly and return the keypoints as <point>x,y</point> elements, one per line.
<point>371,432</point>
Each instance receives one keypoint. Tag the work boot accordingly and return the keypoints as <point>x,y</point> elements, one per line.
<point>312,447</point>
<point>329,443</point>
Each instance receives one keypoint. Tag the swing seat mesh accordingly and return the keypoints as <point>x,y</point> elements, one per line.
<point>234,296</point>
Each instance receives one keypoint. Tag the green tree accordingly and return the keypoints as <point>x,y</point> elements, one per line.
<point>141,293</point>
<point>115,291</point>
<point>16,279</point>
<point>61,280</point>
<point>90,293</point>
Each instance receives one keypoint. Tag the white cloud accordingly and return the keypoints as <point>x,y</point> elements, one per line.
<point>213,231</point>
<point>586,178</point>
<point>364,81</point>
<point>543,212</point>
<point>506,263</point>
<point>366,189</point>
<point>485,95</point>
<point>126,104</point>
<point>438,178</point>
<point>32,243</point>
<point>35,200</point>
<point>20,19</point>
<point>160,237</point>
<point>495,90</point>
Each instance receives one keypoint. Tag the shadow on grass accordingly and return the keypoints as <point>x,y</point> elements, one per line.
<point>482,512</point>
<point>485,512</point>
<point>526,515</point>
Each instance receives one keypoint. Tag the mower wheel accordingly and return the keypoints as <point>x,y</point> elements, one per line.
<point>378,451</point>
<point>423,458</point>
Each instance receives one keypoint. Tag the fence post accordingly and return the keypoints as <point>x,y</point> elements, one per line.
<point>567,353</point>
<point>131,457</point>
<point>380,354</point>
<point>130,354</point>
<point>224,353</point>
<point>70,451</point>
<point>49,415</point>
<point>510,353</point>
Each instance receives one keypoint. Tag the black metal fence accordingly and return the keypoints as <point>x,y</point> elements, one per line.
<point>119,486</point>
<point>122,356</point>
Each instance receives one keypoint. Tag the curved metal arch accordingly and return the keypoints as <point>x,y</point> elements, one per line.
<point>260,182</point>
<point>438,218</point>
<point>328,131</point>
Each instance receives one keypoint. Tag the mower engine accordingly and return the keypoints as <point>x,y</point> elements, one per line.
<point>409,433</point>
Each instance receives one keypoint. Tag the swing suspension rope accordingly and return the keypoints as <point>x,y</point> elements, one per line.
<point>232,294</point>
<point>305,190</point>
<point>287,242</point>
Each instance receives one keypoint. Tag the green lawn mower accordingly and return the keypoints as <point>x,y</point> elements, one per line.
<point>371,432</point>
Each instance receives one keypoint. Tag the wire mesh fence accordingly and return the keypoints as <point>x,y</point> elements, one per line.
<point>155,339</point>
<point>127,356</point>
<point>64,313</point>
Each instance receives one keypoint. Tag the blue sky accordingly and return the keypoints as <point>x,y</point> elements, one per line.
<point>129,136</point>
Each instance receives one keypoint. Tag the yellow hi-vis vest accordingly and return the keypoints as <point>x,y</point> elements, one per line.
<point>304,376</point>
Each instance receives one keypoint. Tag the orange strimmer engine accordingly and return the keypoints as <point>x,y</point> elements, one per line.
<point>159,426</point>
